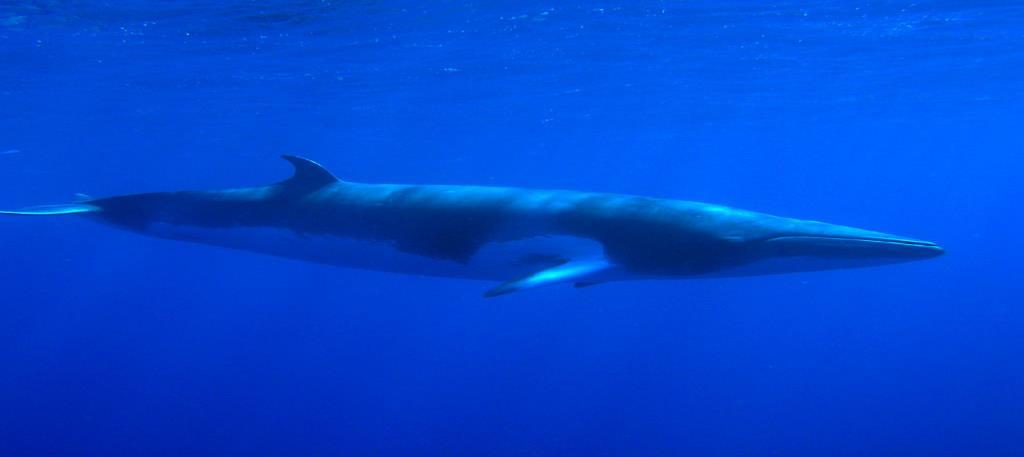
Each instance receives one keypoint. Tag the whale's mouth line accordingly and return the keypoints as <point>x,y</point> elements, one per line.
<point>864,239</point>
<point>848,245</point>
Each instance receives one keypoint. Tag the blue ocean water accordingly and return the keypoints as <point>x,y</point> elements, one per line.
<point>896,116</point>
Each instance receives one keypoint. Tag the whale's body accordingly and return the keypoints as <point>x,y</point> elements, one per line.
<point>522,237</point>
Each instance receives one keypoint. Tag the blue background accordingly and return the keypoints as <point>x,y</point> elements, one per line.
<point>896,116</point>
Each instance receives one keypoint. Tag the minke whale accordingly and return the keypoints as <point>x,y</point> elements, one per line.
<point>521,238</point>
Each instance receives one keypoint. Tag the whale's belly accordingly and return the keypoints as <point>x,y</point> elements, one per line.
<point>499,260</point>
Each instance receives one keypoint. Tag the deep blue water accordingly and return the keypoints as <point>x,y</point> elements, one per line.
<point>897,116</point>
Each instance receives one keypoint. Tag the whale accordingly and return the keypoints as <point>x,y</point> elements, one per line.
<point>518,238</point>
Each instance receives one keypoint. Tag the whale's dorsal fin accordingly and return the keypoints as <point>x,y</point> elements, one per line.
<point>308,174</point>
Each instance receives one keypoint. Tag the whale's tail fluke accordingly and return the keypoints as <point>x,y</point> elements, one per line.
<point>54,210</point>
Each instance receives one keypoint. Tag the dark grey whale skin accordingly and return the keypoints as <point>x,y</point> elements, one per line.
<point>642,235</point>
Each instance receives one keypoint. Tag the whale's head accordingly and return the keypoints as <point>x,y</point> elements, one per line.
<point>680,238</point>
<point>789,245</point>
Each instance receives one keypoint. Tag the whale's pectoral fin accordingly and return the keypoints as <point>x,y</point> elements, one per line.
<point>574,271</point>
<point>54,210</point>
